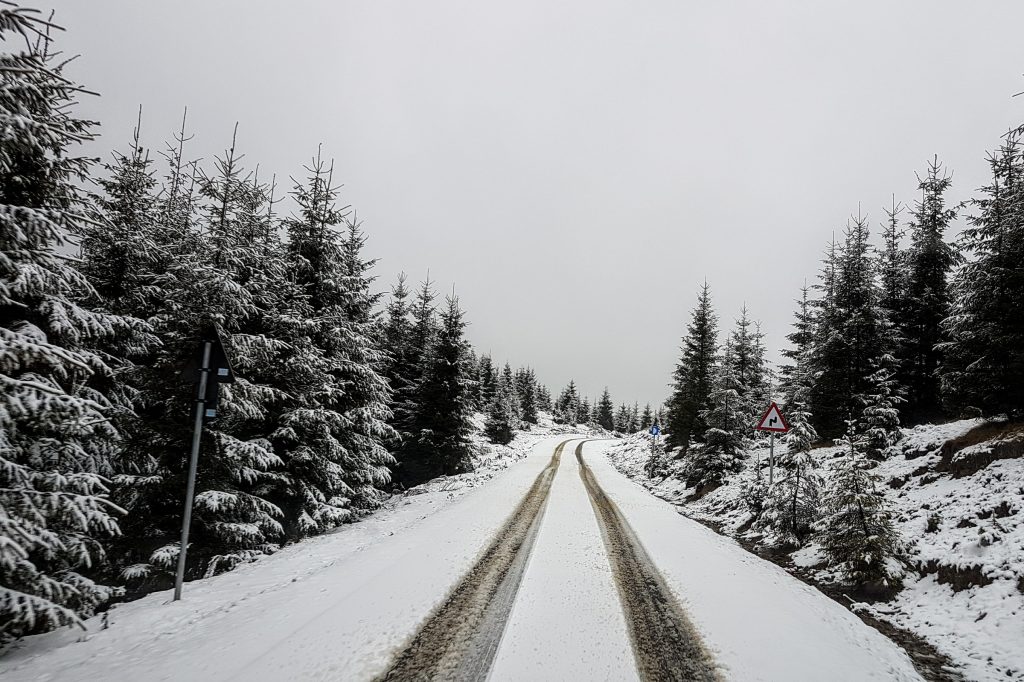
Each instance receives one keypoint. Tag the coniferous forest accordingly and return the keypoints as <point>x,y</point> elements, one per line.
<point>337,395</point>
<point>909,328</point>
<point>110,275</point>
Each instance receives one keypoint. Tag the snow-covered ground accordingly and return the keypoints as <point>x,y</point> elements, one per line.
<point>331,607</point>
<point>760,622</point>
<point>965,591</point>
<point>340,606</point>
<point>568,574</point>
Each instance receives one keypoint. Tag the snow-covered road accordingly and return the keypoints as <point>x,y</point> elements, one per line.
<point>343,606</point>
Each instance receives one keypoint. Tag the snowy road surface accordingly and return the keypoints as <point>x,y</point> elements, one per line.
<point>347,605</point>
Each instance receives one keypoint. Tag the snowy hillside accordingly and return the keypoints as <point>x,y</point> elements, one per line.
<point>958,489</point>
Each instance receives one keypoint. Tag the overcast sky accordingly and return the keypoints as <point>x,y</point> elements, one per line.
<point>577,169</point>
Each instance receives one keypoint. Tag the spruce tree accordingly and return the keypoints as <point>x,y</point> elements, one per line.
<point>606,411</point>
<point>880,418</point>
<point>794,374</point>
<point>584,413</point>
<point>56,439</point>
<point>527,393</point>
<point>567,405</point>
<point>857,531</point>
<point>395,336</point>
<point>693,376</point>
<point>929,262</point>
<point>622,419</point>
<point>646,418</point>
<point>222,278</point>
<point>334,432</point>
<point>791,505</point>
<point>487,381</point>
<point>501,417</point>
<point>852,331</point>
<point>543,398</point>
<point>748,351</point>
<point>441,437</point>
<point>725,439</point>
<point>893,266</point>
<point>407,398</point>
<point>983,355</point>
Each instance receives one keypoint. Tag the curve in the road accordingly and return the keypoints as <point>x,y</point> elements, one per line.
<point>460,640</point>
<point>665,643</point>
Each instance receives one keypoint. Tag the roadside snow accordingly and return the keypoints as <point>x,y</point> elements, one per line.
<point>760,622</point>
<point>966,527</point>
<point>332,607</point>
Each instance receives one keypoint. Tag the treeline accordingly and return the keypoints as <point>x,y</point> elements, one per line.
<point>911,330</point>
<point>110,273</point>
<point>571,408</point>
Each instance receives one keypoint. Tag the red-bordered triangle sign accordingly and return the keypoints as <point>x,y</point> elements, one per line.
<point>773,420</point>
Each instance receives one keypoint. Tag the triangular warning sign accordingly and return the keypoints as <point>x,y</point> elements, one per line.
<point>773,420</point>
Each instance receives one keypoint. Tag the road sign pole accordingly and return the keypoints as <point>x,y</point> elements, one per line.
<point>771,458</point>
<point>193,464</point>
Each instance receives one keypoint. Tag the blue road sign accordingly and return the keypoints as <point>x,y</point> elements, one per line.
<point>655,430</point>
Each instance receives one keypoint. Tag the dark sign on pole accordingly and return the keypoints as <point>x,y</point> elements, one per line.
<point>208,368</point>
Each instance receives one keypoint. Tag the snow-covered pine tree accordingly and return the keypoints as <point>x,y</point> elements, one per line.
<point>526,384</point>
<point>227,273</point>
<point>694,375</point>
<point>56,440</point>
<point>929,262</point>
<point>395,335</point>
<point>794,374</point>
<point>622,419</point>
<point>407,399</point>
<point>880,418</point>
<point>509,377</point>
<point>646,418</point>
<point>543,398</point>
<point>122,251</point>
<point>605,411</point>
<point>791,505</point>
<point>584,412</point>
<point>726,437</point>
<point>851,331</point>
<point>749,366</point>
<point>334,431</point>
<point>442,423</point>
<point>501,417</point>
<point>567,405</point>
<point>487,382</point>
<point>634,419</point>
<point>983,366</point>
<point>856,530</point>
<point>892,267</point>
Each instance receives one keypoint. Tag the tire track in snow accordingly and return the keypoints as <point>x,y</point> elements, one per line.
<point>460,639</point>
<point>665,643</point>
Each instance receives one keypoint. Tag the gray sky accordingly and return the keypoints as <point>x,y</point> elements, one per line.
<point>578,168</point>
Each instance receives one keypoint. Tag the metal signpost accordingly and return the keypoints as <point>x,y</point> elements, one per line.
<point>773,422</point>
<point>210,357</point>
